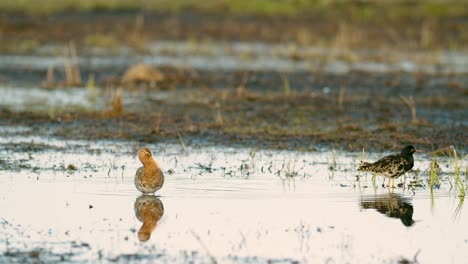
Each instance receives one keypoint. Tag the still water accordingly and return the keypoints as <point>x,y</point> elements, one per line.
<point>75,201</point>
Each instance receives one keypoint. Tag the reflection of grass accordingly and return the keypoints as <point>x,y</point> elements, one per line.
<point>432,200</point>
<point>288,169</point>
<point>459,207</point>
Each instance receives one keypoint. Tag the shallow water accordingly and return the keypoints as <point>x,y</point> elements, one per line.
<point>249,56</point>
<point>230,205</point>
<point>36,99</point>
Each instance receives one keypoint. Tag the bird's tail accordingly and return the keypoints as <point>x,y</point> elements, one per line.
<point>364,166</point>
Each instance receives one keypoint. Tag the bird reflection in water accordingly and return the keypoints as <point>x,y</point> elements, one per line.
<point>392,205</point>
<point>148,209</point>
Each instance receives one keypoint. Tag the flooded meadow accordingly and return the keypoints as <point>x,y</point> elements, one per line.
<point>259,136</point>
<point>75,201</point>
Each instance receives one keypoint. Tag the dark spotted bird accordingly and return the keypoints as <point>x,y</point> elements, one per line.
<point>149,210</point>
<point>392,166</point>
<point>392,205</point>
<point>149,178</point>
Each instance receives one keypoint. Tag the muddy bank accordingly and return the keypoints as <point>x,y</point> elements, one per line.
<point>299,119</point>
<point>341,86</point>
<point>22,33</point>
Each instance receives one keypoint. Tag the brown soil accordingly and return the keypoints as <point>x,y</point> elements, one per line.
<point>252,108</point>
<point>371,118</point>
<point>135,29</point>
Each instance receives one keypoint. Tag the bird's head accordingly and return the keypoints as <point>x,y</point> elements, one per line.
<point>409,150</point>
<point>144,154</point>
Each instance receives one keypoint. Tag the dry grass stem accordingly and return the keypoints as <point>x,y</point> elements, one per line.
<point>409,102</point>
<point>50,79</point>
<point>341,95</point>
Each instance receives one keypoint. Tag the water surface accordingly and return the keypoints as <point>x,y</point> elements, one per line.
<point>230,205</point>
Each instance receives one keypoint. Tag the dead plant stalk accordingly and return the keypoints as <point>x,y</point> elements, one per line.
<point>409,102</point>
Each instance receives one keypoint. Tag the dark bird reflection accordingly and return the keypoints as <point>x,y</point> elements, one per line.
<point>149,210</point>
<point>392,205</point>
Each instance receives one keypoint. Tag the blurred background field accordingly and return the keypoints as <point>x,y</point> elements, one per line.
<point>357,9</point>
<point>258,112</point>
<point>224,68</point>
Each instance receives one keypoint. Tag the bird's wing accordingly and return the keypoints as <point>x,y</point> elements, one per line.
<point>139,172</point>
<point>392,165</point>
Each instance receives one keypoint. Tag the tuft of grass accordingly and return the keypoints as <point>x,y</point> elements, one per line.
<point>70,63</point>
<point>434,181</point>
<point>341,96</point>
<point>459,184</point>
<point>50,79</point>
<point>409,102</point>
<point>116,105</point>
<point>427,33</point>
<point>252,154</point>
<point>219,120</point>
<point>90,87</point>
<point>333,163</point>
<point>288,169</point>
<point>286,87</point>
<point>51,112</point>
<point>181,141</point>
<point>434,171</point>
<point>157,123</point>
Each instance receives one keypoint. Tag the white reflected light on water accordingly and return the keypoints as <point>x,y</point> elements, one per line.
<point>230,204</point>
<point>251,56</point>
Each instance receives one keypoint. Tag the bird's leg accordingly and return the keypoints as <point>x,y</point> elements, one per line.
<point>388,183</point>
<point>383,182</point>
<point>393,183</point>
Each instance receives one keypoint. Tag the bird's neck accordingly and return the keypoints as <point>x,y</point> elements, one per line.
<point>150,163</point>
<point>408,157</point>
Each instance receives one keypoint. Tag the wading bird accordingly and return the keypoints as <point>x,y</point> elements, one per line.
<point>392,166</point>
<point>149,178</point>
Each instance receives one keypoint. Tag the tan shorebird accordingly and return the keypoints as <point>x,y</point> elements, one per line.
<point>149,210</point>
<point>149,178</point>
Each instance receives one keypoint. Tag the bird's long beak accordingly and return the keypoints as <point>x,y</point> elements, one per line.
<point>418,150</point>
